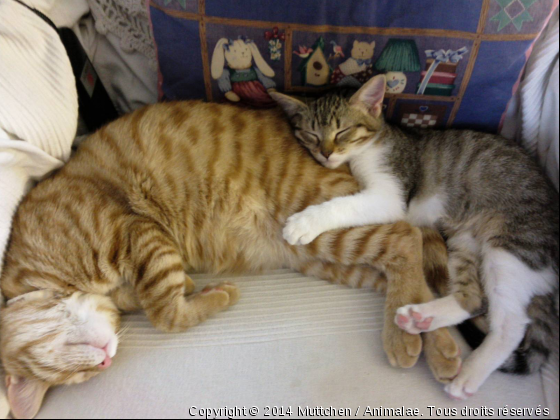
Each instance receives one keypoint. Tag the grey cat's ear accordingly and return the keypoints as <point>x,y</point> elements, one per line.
<point>291,106</point>
<point>25,396</point>
<point>371,96</point>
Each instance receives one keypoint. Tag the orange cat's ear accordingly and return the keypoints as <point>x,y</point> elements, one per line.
<point>370,97</point>
<point>291,106</point>
<point>25,396</point>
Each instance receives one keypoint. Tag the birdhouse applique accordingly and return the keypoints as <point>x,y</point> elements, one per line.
<point>315,69</point>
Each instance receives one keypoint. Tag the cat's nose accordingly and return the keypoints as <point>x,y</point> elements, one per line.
<point>106,364</point>
<point>326,153</point>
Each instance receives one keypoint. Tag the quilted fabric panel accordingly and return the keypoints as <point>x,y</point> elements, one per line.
<point>458,61</point>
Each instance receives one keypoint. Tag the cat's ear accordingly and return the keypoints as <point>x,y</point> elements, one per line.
<point>291,106</point>
<point>370,97</point>
<point>25,396</point>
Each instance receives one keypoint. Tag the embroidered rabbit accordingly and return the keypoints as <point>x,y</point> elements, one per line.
<point>238,78</point>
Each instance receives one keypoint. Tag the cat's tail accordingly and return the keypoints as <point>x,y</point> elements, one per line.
<point>435,260</point>
<point>541,334</point>
<point>540,337</point>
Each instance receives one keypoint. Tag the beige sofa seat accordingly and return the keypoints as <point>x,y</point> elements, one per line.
<point>292,341</point>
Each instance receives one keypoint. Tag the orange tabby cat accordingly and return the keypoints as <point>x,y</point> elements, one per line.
<point>174,188</point>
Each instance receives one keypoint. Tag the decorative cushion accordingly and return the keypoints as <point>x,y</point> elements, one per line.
<point>448,64</point>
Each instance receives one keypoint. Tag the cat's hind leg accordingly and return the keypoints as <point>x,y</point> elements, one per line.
<point>354,276</point>
<point>510,285</point>
<point>162,286</point>
<point>463,300</point>
<point>396,250</point>
<point>357,257</point>
<point>440,349</point>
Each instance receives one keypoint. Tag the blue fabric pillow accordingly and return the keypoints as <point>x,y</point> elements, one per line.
<point>448,64</point>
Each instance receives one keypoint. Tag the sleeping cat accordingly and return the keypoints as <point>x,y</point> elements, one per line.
<point>184,187</point>
<point>483,192</point>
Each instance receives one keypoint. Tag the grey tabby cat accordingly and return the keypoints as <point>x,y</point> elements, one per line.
<point>488,197</point>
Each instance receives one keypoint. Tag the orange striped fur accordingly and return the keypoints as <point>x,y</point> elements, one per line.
<point>197,187</point>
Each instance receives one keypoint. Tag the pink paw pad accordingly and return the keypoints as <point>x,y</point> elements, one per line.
<point>402,320</point>
<point>416,316</point>
<point>424,325</point>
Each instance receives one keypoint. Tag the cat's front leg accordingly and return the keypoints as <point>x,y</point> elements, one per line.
<point>161,285</point>
<point>365,208</point>
<point>302,228</point>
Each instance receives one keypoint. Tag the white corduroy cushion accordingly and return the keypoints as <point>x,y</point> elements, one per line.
<point>291,341</point>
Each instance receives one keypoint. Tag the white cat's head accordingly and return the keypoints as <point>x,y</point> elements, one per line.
<point>363,50</point>
<point>50,339</point>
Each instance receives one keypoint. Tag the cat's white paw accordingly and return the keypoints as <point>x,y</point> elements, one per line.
<point>465,385</point>
<point>414,320</point>
<point>303,228</point>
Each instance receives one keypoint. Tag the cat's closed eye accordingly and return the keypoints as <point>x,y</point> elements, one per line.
<point>309,138</point>
<point>342,134</point>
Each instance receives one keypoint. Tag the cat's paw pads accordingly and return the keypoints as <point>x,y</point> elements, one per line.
<point>463,387</point>
<point>402,349</point>
<point>302,228</point>
<point>214,298</point>
<point>233,292</point>
<point>230,289</point>
<point>411,319</point>
<point>443,355</point>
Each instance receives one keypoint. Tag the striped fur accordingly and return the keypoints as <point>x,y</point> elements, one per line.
<point>194,187</point>
<point>484,193</point>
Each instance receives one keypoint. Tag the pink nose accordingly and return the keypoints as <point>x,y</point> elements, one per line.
<point>106,364</point>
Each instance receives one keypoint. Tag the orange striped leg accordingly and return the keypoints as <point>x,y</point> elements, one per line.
<point>441,351</point>
<point>162,285</point>
<point>355,276</point>
<point>397,251</point>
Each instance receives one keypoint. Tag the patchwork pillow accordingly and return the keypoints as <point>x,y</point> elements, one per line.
<point>448,64</point>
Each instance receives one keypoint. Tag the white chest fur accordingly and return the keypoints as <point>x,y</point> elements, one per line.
<point>369,168</point>
<point>426,212</point>
<point>381,189</point>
